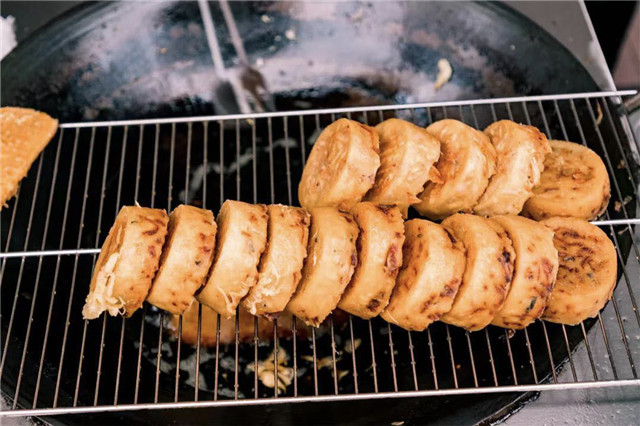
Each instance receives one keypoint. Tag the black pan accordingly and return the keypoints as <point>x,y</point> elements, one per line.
<point>130,60</point>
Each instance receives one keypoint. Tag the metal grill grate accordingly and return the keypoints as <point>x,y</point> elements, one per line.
<point>53,362</point>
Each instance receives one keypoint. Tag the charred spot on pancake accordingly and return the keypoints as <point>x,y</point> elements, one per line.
<point>373,305</point>
<point>391,263</point>
<point>152,231</point>
<point>384,208</point>
<point>532,303</point>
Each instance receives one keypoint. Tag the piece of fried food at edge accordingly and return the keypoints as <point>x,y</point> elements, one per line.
<point>587,273</point>
<point>467,161</point>
<point>24,133</point>
<point>241,240</point>
<point>281,264</point>
<point>329,265</point>
<point>209,327</point>
<point>488,272</point>
<point>379,248</point>
<point>407,156</point>
<point>186,259</point>
<point>520,153</point>
<point>341,167</point>
<point>431,273</point>
<point>574,183</point>
<point>127,263</point>
<point>536,266</point>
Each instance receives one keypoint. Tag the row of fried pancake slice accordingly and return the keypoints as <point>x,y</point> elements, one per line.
<point>468,271</point>
<point>450,167</point>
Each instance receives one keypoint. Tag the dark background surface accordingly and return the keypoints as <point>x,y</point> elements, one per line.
<point>610,19</point>
<point>111,61</point>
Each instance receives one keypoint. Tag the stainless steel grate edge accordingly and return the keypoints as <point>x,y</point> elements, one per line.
<point>170,161</point>
<point>327,398</point>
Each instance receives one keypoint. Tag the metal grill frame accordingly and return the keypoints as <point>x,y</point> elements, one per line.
<point>628,284</point>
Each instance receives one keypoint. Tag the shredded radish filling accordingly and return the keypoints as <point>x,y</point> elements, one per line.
<point>101,298</point>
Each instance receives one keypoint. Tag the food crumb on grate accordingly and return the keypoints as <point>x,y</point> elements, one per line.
<point>621,164</point>
<point>342,374</point>
<point>617,206</point>
<point>599,119</point>
<point>325,362</point>
<point>266,371</point>
<point>356,344</point>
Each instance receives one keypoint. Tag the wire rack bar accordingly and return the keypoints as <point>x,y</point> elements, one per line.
<point>328,398</point>
<point>71,252</point>
<point>584,95</point>
<point>259,158</point>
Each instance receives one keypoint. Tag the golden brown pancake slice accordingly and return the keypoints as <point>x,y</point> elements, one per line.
<point>279,270</point>
<point>127,263</point>
<point>467,161</point>
<point>407,154</point>
<point>186,259</point>
<point>341,167</point>
<point>574,183</point>
<point>379,248</point>
<point>520,153</point>
<point>24,133</point>
<point>488,272</point>
<point>587,272</point>
<point>535,271</point>
<point>329,266</point>
<point>431,273</point>
<point>242,237</point>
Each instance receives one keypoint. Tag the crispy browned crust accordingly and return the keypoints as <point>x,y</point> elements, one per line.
<point>467,161</point>
<point>520,153</point>
<point>574,183</point>
<point>379,248</point>
<point>329,266</point>
<point>587,272</point>
<point>241,240</point>
<point>536,266</point>
<point>135,241</point>
<point>24,133</point>
<point>279,270</point>
<point>488,273</point>
<point>431,273</point>
<point>341,167</point>
<point>407,154</point>
<point>186,259</point>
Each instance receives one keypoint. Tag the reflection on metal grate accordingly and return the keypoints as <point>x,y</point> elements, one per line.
<point>53,362</point>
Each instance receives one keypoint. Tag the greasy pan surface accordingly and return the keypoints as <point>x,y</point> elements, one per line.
<point>93,64</point>
<point>128,60</point>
